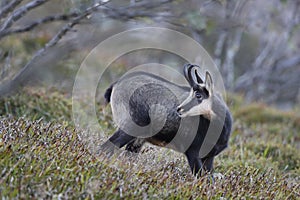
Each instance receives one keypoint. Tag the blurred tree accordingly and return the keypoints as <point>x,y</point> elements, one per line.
<point>20,16</point>
<point>256,44</point>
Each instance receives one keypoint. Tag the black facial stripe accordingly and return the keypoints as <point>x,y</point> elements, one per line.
<point>206,92</point>
<point>190,104</point>
<point>203,91</point>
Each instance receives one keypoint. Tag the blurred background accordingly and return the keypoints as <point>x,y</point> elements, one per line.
<point>45,155</point>
<point>255,44</point>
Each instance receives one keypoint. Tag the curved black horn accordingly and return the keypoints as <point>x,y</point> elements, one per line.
<point>186,72</point>
<point>199,80</point>
<point>191,74</point>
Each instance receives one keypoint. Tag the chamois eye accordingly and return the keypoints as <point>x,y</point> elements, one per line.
<point>198,95</point>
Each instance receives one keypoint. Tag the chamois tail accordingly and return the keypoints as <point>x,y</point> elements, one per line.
<point>107,93</point>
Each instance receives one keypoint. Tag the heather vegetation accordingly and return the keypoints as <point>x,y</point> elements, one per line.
<point>43,156</point>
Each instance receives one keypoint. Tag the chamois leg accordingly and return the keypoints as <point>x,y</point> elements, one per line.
<point>208,167</point>
<point>194,162</point>
<point>207,164</point>
<point>118,139</point>
<point>135,145</point>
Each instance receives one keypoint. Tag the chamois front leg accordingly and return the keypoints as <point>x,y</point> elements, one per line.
<point>194,162</point>
<point>207,164</point>
<point>208,167</point>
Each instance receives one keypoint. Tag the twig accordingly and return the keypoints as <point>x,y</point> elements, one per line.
<point>21,76</point>
<point>146,5</point>
<point>62,17</point>
<point>123,13</point>
<point>71,24</point>
<point>48,52</point>
<point>20,12</point>
<point>9,7</point>
<point>130,12</point>
<point>287,63</point>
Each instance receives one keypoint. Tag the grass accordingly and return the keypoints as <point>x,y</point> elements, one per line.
<point>42,156</point>
<point>36,104</point>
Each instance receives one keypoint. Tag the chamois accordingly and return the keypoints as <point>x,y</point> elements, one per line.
<point>148,108</point>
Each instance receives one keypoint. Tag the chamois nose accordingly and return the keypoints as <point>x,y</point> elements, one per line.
<point>179,110</point>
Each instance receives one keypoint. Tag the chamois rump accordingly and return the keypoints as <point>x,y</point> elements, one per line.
<point>199,105</point>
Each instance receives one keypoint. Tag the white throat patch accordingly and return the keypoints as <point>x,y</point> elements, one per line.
<point>204,108</point>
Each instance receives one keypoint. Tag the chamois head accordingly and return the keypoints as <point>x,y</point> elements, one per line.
<point>199,101</point>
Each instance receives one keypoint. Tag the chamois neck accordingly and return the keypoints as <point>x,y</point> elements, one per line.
<point>218,108</point>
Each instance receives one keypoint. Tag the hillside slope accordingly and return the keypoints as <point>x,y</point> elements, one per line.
<point>42,155</point>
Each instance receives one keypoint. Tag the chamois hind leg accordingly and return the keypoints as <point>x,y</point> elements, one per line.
<point>135,145</point>
<point>118,139</point>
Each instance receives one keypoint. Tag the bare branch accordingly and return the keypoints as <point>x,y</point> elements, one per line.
<point>140,9</point>
<point>23,74</point>
<point>29,27</point>
<point>7,64</point>
<point>219,47</point>
<point>271,58</point>
<point>20,12</point>
<point>145,5</point>
<point>71,24</point>
<point>288,63</point>
<point>232,49</point>
<point>123,13</point>
<point>9,7</point>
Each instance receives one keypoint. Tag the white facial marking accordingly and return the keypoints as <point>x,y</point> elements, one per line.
<point>204,108</point>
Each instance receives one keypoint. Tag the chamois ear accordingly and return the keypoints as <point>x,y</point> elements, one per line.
<point>209,83</point>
